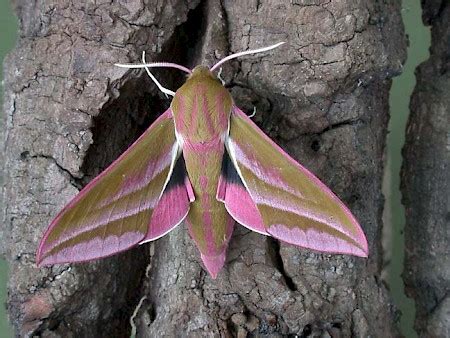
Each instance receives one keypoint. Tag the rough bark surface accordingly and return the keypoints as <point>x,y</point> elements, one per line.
<point>70,112</point>
<point>425,181</point>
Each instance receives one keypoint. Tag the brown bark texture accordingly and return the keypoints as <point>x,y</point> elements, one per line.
<point>69,113</point>
<point>425,181</point>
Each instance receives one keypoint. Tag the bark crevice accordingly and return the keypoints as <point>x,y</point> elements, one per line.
<point>425,181</point>
<point>322,96</point>
<point>273,250</point>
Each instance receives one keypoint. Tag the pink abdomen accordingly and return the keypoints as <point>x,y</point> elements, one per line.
<point>208,221</point>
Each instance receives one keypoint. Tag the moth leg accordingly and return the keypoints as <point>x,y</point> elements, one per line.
<point>220,77</point>
<point>165,90</point>
<point>254,112</point>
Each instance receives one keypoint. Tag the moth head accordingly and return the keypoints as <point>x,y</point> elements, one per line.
<point>202,72</point>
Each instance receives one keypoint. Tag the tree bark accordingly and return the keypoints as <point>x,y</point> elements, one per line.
<point>70,112</point>
<point>425,181</point>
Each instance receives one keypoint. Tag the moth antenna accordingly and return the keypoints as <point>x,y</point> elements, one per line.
<point>165,90</point>
<point>247,52</point>
<point>219,77</point>
<point>154,65</point>
<point>254,112</point>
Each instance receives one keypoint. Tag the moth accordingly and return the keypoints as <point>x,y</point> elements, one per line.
<point>205,163</point>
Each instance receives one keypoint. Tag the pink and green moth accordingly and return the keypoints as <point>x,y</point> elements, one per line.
<point>204,162</point>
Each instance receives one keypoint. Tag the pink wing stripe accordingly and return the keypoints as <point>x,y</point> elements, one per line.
<point>279,203</point>
<point>94,248</point>
<point>126,241</point>
<point>171,210</point>
<point>124,212</point>
<point>361,238</point>
<point>241,207</point>
<point>271,177</point>
<point>141,180</point>
<point>315,240</point>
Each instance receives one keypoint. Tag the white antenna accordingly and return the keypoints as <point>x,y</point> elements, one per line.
<point>154,65</point>
<point>167,91</point>
<point>247,52</point>
<point>160,87</point>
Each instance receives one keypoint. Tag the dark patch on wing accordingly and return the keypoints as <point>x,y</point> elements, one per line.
<point>179,174</point>
<point>229,171</point>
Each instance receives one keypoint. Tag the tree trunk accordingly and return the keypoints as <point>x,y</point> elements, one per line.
<point>70,112</point>
<point>425,181</point>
